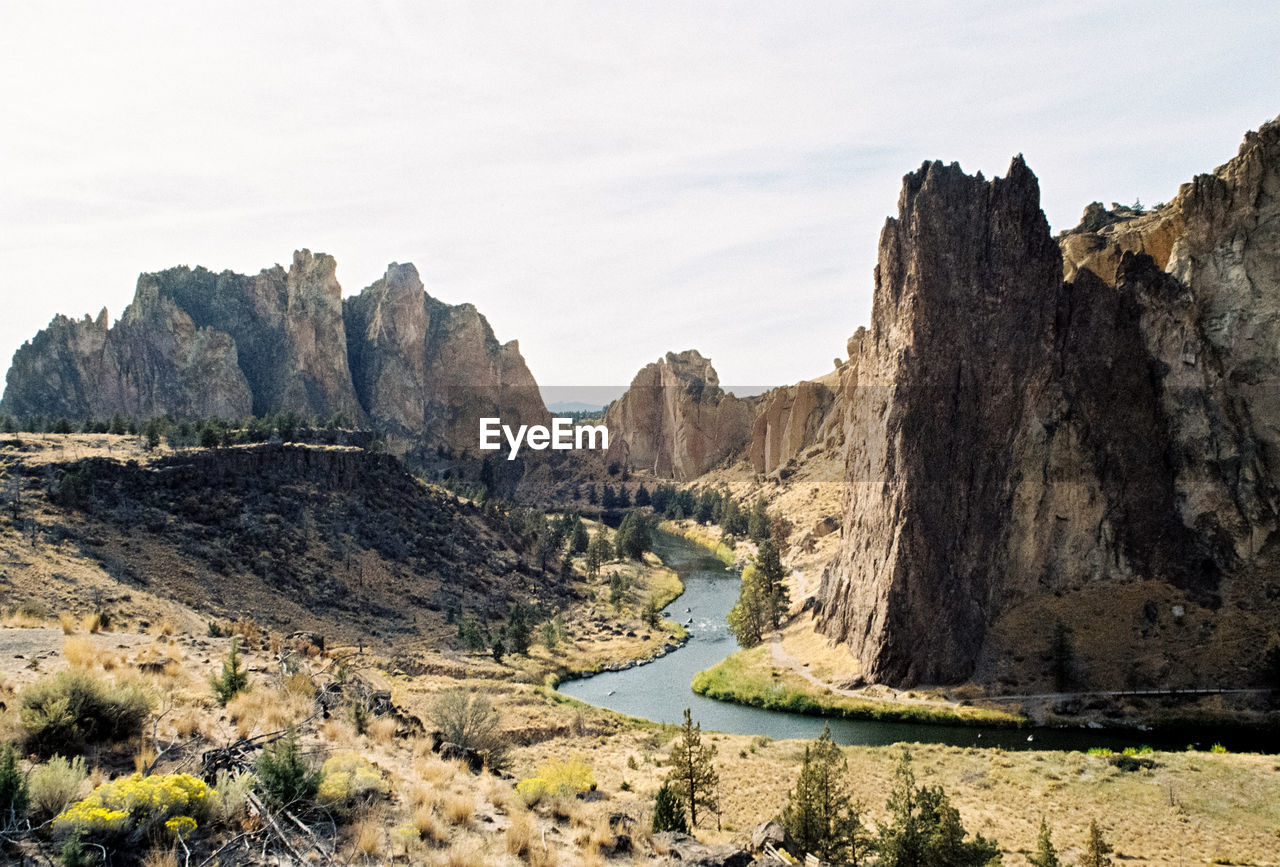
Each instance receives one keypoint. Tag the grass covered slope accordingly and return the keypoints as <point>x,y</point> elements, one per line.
<point>749,677</point>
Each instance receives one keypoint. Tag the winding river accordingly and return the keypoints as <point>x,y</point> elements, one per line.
<point>660,690</point>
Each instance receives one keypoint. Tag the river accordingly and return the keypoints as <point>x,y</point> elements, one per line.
<point>660,690</point>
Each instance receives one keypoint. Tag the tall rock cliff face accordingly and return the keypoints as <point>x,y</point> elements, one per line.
<point>676,420</point>
<point>428,370</point>
<point>197,344</point>
<point>1011,436</point>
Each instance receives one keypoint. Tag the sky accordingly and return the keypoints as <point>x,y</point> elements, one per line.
<point>605,181</point>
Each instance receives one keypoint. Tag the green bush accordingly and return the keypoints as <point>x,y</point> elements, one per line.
<point>13,789</point>
<point>55,785</point>
<point>70,710</point>
<point>284,777</point>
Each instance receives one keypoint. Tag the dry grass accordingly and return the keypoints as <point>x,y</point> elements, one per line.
<point>429,826</point>
<point>465,853</point>
<point>459,809</point>
<point>367,835</point>
<point>189,723</point>
<point>68,622</point>
<point>144,757</point>
<point>24,619</point>
<point>521,836</point>
<point>382,730</point>
<point>161,858</point>
<point>92,623</point>
<point>264,709</point>
<point>79,651</point>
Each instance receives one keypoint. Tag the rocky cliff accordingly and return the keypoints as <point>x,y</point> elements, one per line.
<point>676,420</point>
<point>196,344</point>
<point>1013,437</point>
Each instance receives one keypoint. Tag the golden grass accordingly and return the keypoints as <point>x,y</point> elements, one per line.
<point>465,853</point>
<point>21,619</point>
<point>68,622</point>
<point>161,858</point>
<point>459,808</point>
<point>520,836</point>
<point>189,723</point>
<point>163,628</point>
<point>367,835</point>
<point>429,826</point>
<point>382,730</point>
<point>79,651</point>
<point>266,709</point>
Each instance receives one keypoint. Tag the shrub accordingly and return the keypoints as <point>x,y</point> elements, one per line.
<point>346,777</point>
<point>557,779</point>
<point>66,712</point>
<point>469,721</point>
<point>13,789</point>
<point>133,806</point>
<point>230,800</point>
<point>55,785</point>
<point>284,777</point>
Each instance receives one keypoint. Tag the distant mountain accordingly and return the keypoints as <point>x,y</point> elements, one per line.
<point>574,406</point>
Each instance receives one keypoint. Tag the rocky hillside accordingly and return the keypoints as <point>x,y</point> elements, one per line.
<point>330,540</point>
<point>197,344</point>
<point>1022,447</point>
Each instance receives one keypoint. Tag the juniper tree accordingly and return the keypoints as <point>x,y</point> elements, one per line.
<point>579,540</point>
<point>1097,850</point>
<point>693,775</point>
<point>233,680</point>
<point>668,814</point>
<point>1045,855</point>
<point>821,815</point>
<point>924,829</point>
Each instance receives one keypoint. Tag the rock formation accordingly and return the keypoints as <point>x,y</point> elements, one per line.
<point>196,344</point>
<point>1012,435</point>
<point>676,420</point>
<point>429,370</point>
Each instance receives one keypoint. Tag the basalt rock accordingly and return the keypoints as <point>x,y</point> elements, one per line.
<point>676,420</point>
<point>1011,435</point>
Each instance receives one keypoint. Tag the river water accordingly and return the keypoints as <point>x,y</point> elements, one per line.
<point>660,690</point>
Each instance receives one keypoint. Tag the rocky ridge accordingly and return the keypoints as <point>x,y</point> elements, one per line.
<point>195,344</point>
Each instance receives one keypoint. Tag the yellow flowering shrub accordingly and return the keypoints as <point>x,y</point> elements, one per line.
<point>345,776</point>
<point>180,826</point>
<point>135,804</point>
<point>557,778</point>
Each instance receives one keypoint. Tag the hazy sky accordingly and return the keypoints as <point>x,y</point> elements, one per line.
<point>605,181</point>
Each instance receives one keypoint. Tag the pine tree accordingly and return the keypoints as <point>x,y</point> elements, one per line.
<point>579,540</point>
<point>233,680</point>
<point>748,617</point>
<point>776,597</point>
<point>1097,850</point>
<point>758,521</point>
<point>693,775</point>
<point>668,815</point>
<point>925,829</point>
<point>599,552</point>
<point>518,630</point>
<point>821,815</point>
<point>1045,855</point>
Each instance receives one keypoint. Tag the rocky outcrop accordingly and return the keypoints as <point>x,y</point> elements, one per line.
<point>790,420</point>
<point>195,344</point>
<point>676,420</point>
<point>428,370</point>
<point>1011,435</point>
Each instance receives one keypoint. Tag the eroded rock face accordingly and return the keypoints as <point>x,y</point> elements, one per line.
<point>195,344</point>
<point>1011,435</point>
<point>676,420</point>
<point>429,370</point>
<point>789,420</point>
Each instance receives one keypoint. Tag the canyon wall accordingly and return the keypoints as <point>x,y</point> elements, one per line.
<point>1012,435</point>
